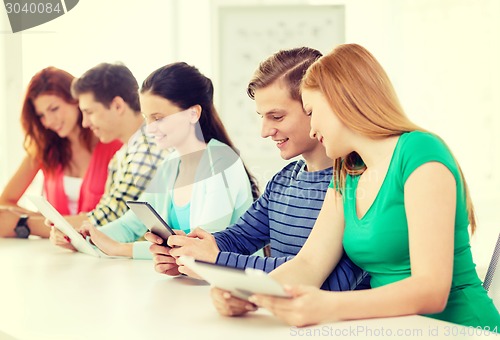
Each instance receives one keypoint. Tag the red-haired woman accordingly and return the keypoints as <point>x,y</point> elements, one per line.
<point>72,159</point>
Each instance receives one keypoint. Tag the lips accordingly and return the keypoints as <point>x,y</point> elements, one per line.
<point>159,137</point>
<point>281,142</point>
<point>59,128</point>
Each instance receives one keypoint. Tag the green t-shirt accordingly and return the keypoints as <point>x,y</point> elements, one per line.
<point>378,242</point>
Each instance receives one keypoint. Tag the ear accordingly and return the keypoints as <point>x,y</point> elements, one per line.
<point>118,104</point>
<point>195,113</point>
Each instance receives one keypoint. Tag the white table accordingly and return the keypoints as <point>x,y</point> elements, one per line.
<point>50,293</point>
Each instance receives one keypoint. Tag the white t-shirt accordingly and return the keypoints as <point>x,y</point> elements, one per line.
<point>72,189</point>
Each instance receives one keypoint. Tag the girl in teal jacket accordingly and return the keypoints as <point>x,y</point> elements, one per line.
<point>202,183</point>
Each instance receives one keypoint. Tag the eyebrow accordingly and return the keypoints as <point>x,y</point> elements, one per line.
<point>272,111</point>
<point>155,114</point>
<point>47,108</point>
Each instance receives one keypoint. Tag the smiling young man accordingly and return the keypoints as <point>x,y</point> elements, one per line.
<point>109,100</point>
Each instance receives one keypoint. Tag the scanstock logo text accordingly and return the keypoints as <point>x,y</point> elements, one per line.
<point>24,14</point>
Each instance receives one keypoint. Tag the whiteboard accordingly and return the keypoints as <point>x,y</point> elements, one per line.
<point>245,36</point>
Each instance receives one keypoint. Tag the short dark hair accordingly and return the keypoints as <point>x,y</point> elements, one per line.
<point>288,66</point>
<point>107,81</point>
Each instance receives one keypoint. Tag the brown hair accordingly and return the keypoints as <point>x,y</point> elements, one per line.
<point>107,81</point>
<point>44,145</point>
<point>360,93</point>
<point>288,66</point>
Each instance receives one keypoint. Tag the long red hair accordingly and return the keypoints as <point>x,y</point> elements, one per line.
<point>42,144</point>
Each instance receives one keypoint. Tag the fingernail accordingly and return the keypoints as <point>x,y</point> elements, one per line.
<point>67,239</point>
<point>252,299</point>
<point>226,295</point>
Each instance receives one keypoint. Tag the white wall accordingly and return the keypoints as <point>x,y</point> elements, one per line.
<point>441,55</point>
<point>11,149</point>
<point>443,59</point>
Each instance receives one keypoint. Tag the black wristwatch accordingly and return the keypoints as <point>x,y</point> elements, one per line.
<point>22,230</point>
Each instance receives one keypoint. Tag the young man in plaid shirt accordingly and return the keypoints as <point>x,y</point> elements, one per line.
<point>109,100</point>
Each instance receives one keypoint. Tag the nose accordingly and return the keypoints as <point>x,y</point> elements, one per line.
<point>150,127</point>
<point>85,120</point>
<point>49,120</point>
<point>267,129</point>
<point>312,134</point>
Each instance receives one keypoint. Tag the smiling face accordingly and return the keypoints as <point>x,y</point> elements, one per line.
<point>326,126</point>
<point>57,115</point>
<point>171,126</point>
<point>284,120</point>
<point>101,120</point>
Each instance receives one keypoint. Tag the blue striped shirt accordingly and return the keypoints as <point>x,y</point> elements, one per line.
<point>283,217</point>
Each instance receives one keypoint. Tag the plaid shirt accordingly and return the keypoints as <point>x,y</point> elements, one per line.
<point>129,172</point>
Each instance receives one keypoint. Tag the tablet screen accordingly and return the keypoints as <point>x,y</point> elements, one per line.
<point>64,226</point>
<point>151,219</point>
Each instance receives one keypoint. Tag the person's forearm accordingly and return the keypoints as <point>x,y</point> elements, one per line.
<point>37,226</point>
<point>7,203</point>
<point>9,216</point>
<point>77,220</point>
<point>125,249</point>
<point>7,222</point>
<point>409,296</point>
<point>297,271</point>
<point>236,260</point>
<point>306,269</point>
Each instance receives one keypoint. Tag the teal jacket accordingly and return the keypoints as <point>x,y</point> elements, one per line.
<point>221,193</point>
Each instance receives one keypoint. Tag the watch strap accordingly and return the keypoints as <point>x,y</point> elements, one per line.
<point>22,230</point>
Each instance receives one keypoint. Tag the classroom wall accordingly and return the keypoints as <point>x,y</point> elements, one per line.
<point>441,55</point>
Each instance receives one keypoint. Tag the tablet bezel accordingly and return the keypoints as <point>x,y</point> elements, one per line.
<point>49,212</point>
<point>242,283</point>
<point>151,219</point>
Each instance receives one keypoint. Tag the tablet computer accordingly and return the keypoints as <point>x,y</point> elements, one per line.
<point>77,240</point>
<point>242,283</point>
<point>151,219</point>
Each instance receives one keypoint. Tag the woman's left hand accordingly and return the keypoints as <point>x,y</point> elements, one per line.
<point>105,243</point>
<point>305,307</point>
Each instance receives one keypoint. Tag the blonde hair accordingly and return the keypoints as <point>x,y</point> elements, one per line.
<point>360,93</point>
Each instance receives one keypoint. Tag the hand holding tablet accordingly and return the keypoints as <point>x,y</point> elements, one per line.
<point>151,219</point>
<point>242,283</point>
<point>77,240</point>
